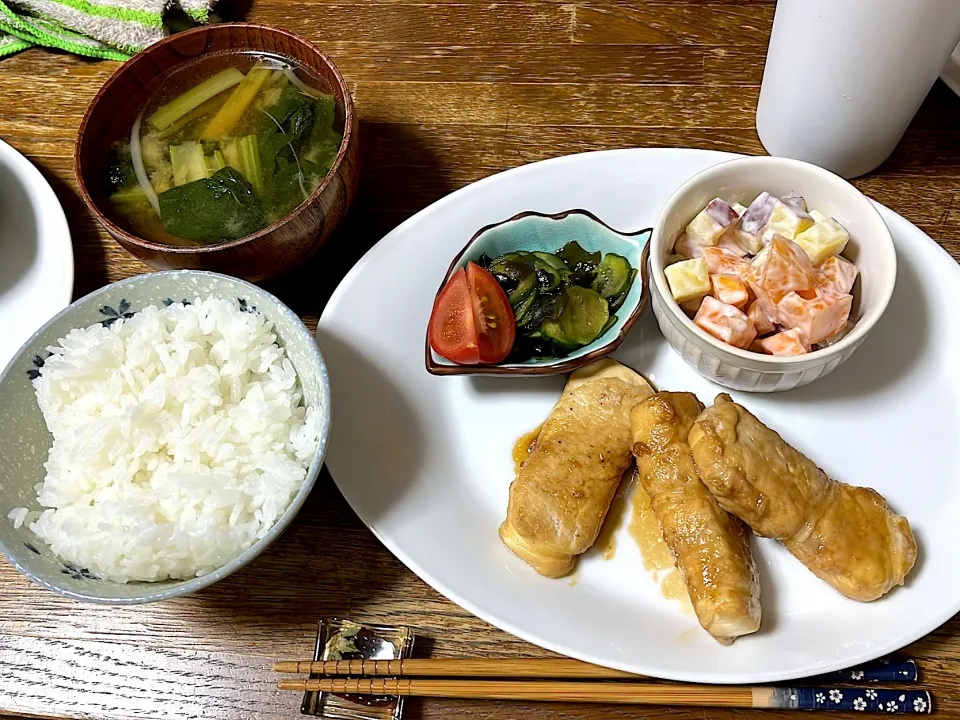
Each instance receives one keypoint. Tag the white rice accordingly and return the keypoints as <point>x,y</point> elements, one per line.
<point>179,440</point>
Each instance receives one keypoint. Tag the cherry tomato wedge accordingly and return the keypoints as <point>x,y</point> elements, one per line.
<point>472,321</point>
<point>492,315</point>
<point>453,333</point>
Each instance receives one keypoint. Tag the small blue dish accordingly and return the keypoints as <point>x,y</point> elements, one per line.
<point>538,232</point>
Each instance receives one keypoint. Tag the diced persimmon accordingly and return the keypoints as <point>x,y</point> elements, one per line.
<point>753,278</point>
<point>725,322</point>
<point>721,261</point>
<point>816,319</point>
<point>760,320</point>
<point>835,273</point>
<point>788,342</point>
<point>730,290</point>
<point>786,269</point>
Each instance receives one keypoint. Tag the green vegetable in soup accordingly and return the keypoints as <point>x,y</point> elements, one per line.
<point>250,162</point>
<point>189,163</point>
<point>233,110</point>
<point>120,172</point>
<point>221,207</point>
<point>130,200</point>
<point>215,161</point>
<point>182,104</point>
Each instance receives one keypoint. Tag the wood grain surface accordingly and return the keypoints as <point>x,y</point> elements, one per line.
<point>448,92</point>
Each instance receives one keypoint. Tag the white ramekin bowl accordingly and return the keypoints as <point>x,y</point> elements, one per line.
<point>870,248</point>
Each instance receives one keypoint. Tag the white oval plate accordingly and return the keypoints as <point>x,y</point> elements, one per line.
<point>36,256</point>
<point>425,461</point>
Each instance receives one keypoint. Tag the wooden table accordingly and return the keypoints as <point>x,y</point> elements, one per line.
<point>448,91</point>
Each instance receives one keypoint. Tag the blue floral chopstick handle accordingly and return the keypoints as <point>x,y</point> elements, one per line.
<point>880,671</point>
<point>856,699</point>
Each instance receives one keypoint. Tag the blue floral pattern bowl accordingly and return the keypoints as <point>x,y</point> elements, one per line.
<point>25,441</point>
<point>537,232</point>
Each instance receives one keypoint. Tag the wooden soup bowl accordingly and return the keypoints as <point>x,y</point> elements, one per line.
<point>268,252</point>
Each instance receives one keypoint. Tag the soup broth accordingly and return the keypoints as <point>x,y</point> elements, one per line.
<point>224,147</point>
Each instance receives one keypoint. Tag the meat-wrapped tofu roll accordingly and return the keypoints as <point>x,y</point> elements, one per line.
<point>709,545</point>
<point>845,535</point>
<point>563,491</point>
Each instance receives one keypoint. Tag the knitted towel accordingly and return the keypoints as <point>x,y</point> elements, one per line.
<point>110,29</point>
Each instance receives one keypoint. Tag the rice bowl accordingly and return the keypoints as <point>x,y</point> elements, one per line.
<point>179,439</point>
<point>202,505</point>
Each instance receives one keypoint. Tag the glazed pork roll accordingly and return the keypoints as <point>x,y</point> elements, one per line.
<point>710,546</point>
<point>562,493</point>
<point>845,535</point>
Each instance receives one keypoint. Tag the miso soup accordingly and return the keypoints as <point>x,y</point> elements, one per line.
<point>224,147</point>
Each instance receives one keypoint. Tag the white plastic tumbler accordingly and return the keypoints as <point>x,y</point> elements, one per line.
<point>844,78</point>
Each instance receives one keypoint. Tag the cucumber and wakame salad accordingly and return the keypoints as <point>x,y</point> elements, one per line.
<point>561,301</point>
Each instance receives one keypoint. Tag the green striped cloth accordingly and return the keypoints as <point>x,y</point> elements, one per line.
<point>109,29</point>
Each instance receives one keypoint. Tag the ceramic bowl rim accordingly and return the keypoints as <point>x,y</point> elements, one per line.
<point>772,363</point>
<point>186,587</point>
<point>118,232</point>
<point>559,365</point>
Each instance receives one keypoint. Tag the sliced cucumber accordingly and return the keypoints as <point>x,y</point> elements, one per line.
<point>551,330</point>
<point>613,276</point>
<point>584,315</point>
<point>527,287</point>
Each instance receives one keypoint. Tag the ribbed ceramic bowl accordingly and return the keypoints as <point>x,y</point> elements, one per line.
<point>25,441</point>
<point>538,232</point>
<point>870,248</point>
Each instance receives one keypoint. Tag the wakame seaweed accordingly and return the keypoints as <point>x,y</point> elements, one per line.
<point>220,207</point>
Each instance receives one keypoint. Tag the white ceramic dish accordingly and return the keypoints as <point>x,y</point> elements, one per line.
<point>36,256</point>
<point>870,248</point>
<point>425,461</point>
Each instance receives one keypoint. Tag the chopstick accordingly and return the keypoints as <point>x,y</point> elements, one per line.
<point>882,671</point>
<point>731,696</point>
